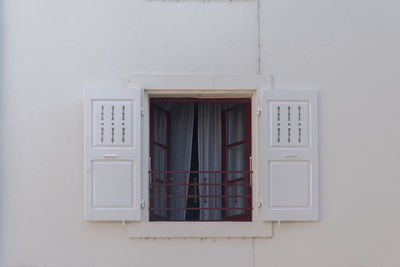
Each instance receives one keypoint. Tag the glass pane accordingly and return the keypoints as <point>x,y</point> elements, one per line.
<point>160,188</point>
<point>235,126</point>
<point>160,119</point>
<point>236,192</point>
<point>236,161</point>
<point>159,161</point>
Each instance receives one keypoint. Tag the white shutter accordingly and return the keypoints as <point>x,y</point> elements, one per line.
<point>112,154</point>
<point>289,157</point>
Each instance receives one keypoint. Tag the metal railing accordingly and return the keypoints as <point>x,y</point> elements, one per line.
<point>227,191</point>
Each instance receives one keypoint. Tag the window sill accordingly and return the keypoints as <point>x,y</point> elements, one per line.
<point>200,229</point>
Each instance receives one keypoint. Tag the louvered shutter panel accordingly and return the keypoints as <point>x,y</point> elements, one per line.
<point>112,154</point>
<point>289,157</point>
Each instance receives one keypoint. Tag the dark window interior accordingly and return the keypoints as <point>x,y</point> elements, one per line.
<point>200,160</point>
<point>194,215</point>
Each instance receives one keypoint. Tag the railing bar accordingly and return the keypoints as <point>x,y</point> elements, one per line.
<point>205,189</point>
<point>227,184</point>
<point>236,180</point>
<point>154,186</point>
<point>236,144</point>
<point>200,208</point>
<point>160,145</point>
<point>174,191</point>
<point>215,190</point>
<point>165,186</point>
<point>189,196</point>
<point>201,172</point>
<point>236,192</point>
<point>184,190</point>
<point>195,190</point>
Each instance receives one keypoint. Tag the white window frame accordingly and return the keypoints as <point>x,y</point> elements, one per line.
<point>201,86</point>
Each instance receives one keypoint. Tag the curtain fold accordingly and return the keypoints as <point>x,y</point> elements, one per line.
<point>181,137</point>
<point>181,117</point>
<point>209,143</point>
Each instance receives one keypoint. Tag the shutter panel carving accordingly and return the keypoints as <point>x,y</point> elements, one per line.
<point>289,157</point>
<point>112,154</point>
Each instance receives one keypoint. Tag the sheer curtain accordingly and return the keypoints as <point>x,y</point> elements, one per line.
<point>181,135</point>
<point>209,135</point>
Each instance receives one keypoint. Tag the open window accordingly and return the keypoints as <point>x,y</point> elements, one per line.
<point>190,179</point>
<point>200,159</point>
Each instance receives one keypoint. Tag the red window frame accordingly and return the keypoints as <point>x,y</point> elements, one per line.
<point>246,216</point>
<point>153,143</point>
<point>246,104</point>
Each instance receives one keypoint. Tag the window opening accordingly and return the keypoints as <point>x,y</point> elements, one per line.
<point>193,188</point>
<point>200,160</point>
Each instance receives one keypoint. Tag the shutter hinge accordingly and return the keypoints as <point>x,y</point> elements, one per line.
<point>259,109</point>
<point>142,203</point>
<point>142,112</point>
<point>251,172</point>
<point>259,203</point>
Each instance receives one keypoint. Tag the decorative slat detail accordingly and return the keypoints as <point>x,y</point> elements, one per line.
<point>112,123</point>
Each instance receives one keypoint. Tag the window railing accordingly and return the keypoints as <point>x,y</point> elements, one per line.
<point>228,192</point>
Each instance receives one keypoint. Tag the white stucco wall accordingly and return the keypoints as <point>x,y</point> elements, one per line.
<point>51,50</point>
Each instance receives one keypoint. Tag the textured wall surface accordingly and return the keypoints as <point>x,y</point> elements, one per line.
<point>51,50</point>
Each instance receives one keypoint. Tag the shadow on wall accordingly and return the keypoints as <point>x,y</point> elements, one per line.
<point>1,124</point>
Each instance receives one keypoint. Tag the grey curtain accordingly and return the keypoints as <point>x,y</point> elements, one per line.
<point>209,132</point>
<point>181,137</point>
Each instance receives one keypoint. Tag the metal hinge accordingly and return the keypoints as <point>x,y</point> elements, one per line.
<point>142,203</point>
<point>149,169</point>
<point>259,203</point>
<point>259,109</point>
<point>251,172</point>
<point>142,111</point>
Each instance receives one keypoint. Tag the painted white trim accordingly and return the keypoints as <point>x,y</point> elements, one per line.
<point>199,229</point>
<point>201,86</point>
<point>200,82</point>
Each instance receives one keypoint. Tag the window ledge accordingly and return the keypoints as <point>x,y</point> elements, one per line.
<point>200,229</point>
